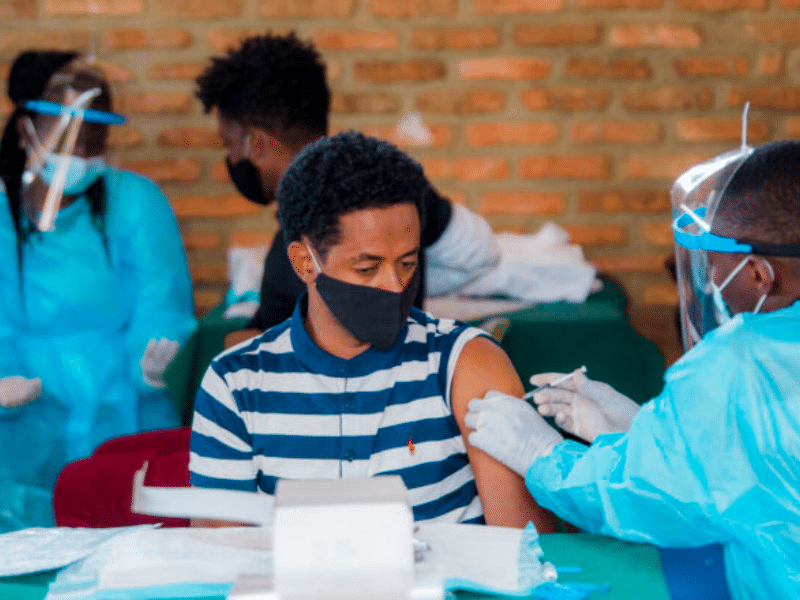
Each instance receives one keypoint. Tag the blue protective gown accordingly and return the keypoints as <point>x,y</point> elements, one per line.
<point>80,322</point>
<point>714,459</point>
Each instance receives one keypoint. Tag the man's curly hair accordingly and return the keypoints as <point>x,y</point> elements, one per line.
<point>341,174</point>
<point>273,82</point>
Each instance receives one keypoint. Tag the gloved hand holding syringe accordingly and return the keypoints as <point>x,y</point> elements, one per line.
<point>554,384</point>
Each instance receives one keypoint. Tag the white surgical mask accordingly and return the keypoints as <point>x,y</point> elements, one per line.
<point>81,172</point>
<point>720,306</point>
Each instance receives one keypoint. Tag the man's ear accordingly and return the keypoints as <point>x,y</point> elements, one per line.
<point>302,262</point>
<point>268,151</point>
<point>764,276</point>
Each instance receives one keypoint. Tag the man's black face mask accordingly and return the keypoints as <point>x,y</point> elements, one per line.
<point>247,179</point>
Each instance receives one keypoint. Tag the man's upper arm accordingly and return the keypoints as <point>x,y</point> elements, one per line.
<point>481,367</point>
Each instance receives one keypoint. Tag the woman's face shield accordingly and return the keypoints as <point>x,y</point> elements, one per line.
<point>63,132</point>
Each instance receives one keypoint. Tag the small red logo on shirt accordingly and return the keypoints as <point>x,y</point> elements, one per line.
<point>411,447</point>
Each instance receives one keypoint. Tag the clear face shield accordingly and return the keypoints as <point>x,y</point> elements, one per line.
<point>696,199</point>
<point>66,140</point>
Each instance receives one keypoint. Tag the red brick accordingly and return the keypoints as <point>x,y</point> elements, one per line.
<point>200,9</point>
<point>712,66</point>
<point>503,68</point>
<point>92,7</point>
<point>597,235</point>
<point>219,173</point>
<point>189,137</point>
<point>209,273</point>
<point>181,170</point>
<point>660,294</point>
<point>632,263</point>
<point>411,9</point>
<point>658,234</point>
<point>618,4</point>
<point>438,38</point>
<point>124,137</point>
<point>114,73</point>
<point>667,98</point>
<point>17,9</point>
<point>221,39</point>
<point>640,201</point>
<point>652,166</point>
<point>508,7</point>
<point>774,98</point>
<point>454,196</point>
<point>182,71</point>
<point>490,134</point>
<point>225,205</point>
<point>565,166</point>
<point>771,64</point>
<point>616,132</point>
<point>482,168</point>
<point>460,102</point>
<point>134,38</point>
<point>156,103</point>
<point>785,30</point>
<point>703,129</point>
<point>15,41</point>
<point>201,240</point>
<point>6,106</point>
<point>655,35</point>
<point>523,203</point>
<point>364,102</point>
<point>618,68</point>
<point>793,127</point>
<point>566,99</point>
<point>442,135</point>
<point>355,39</point>
<point>717,6</point>
<point>385,71</point>
<point>249,237</point>
<point>560,34</point>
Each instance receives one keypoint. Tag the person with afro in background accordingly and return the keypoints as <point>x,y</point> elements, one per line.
<point>271,98</point>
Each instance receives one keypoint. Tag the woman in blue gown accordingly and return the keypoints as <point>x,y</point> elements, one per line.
<point>82,301</point>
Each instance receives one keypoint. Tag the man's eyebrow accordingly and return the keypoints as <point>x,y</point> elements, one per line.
<point>367,256</point>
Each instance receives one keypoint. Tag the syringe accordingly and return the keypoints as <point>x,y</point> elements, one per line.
<point>555,383</point>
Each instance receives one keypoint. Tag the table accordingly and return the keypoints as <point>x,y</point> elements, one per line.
<point>558,336</point>
<point>630,570</point>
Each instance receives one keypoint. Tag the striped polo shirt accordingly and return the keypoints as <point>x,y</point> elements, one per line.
<point>278,406</point>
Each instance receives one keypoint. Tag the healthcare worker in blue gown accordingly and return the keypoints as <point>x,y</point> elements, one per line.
<point>716,457</point>
<point>96,290</point>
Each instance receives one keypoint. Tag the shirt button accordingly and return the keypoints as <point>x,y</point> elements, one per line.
<point>349,456</point>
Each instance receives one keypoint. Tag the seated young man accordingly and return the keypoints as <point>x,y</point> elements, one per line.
<point>357,382</point>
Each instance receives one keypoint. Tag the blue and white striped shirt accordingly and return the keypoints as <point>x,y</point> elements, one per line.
<point>278,406</point>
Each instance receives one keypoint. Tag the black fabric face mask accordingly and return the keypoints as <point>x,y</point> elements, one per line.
<point>247,179</point>
<point>370,315</point>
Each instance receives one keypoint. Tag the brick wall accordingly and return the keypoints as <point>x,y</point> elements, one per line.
<point>578,111</point>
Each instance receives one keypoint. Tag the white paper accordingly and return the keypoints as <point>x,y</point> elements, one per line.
<point>200,503</point>
<point>45,548</point>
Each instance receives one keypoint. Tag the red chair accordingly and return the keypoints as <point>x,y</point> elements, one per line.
<point>96,491</point>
